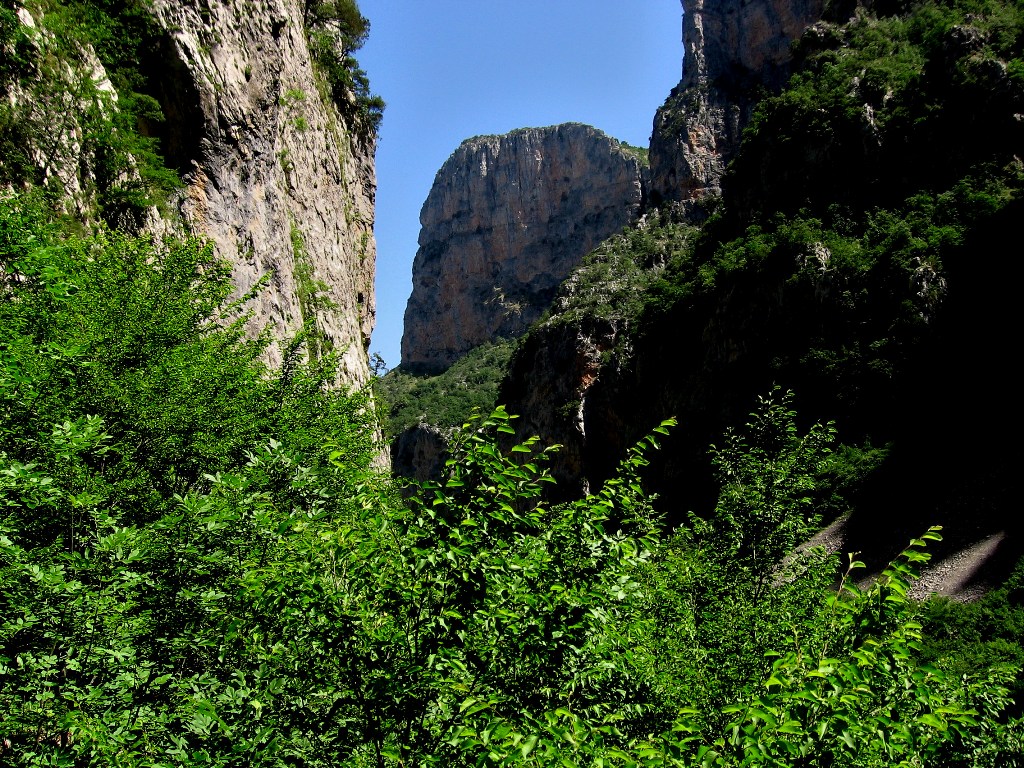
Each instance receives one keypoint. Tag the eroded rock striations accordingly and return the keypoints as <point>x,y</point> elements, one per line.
<point>507,220</point>
<point>733,49</point>
<point>276,179</point>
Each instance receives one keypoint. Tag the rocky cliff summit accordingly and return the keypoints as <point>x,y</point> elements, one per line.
<point>507,219</point>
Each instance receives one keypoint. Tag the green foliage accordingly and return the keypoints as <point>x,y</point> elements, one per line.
<point>312,295</point>
<point>611,282</point>
<point>768,474</point>
<point>851,692</point>
<point>75,124</point>
<point>859,697</point>
<point>142,335</point>
<point>335,30</point>
<point>135,496</point>
<point>725,587</point>
<point>477,598</point>
<point>198,567</point>
<point>442,400</point>
<point>988,633</point>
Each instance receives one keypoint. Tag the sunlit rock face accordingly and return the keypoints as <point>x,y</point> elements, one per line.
<point>507,219</point>
<point>276,178</point>
<point>733,49</point>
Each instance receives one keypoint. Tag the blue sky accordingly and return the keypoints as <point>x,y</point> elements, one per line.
<point>452,69</point>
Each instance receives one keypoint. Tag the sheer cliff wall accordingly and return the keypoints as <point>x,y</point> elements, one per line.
<point>276,177</point>
<point>733,50</point>
<point>507,219</point>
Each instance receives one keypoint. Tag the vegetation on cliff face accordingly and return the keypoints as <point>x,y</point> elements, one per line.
<point>69,133</point>
<point>611,283</point>
<point>857,255</point>
<point>445,400</point>
<point>336,30</point>
<point>60,114</point>
<point>199,565</point>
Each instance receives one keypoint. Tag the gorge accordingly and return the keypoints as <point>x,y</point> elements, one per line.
<point>653,399</point>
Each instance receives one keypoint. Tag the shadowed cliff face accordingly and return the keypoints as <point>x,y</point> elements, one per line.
<point>733,48</point>
<point>564,380</point>
<point>506,221</point>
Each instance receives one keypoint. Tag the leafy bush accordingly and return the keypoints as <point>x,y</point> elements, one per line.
<point>133,414</point>
<point>287,606</point>
<point>143,336</point>
<point>335,30</point>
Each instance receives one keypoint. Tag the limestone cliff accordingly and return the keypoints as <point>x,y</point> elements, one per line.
<point>572,380</point>
<point>276,177</point>
<point>732,50</point>
<point>506,221</point>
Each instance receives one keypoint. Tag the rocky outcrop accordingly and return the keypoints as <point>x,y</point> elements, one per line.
<point>733,49</point>
<point>419,452</point>
<point>279,181</point>
<point>276,179</point>
<point>571,380</point>
<point>507,220</point>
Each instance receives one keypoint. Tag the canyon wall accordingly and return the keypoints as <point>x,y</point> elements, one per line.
<point>278,172</point>
<point>506,221</point>
<point>576,383</point>
<point>733,50</point>
<point>276,178</point>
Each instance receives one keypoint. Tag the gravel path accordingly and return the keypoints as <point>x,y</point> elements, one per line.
<point>954,575</point>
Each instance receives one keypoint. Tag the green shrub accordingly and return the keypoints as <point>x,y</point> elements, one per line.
<point>335,30</point>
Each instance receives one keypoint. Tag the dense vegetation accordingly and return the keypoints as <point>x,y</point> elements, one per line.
<point>199,564</point>
<point>444,400</point>
<point>198,567</point>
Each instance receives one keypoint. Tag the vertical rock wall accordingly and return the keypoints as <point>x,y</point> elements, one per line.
<point>508,218</point>
<point>276,179</point>
<point>732,49</point>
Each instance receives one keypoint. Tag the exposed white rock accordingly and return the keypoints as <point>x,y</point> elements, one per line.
<point>276,179</point>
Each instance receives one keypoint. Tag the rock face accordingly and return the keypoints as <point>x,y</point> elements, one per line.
<point>565,381</point>
<point>276,179</point>
<point>419,452</point>
<point>732,47</point>
<point>506,221</point>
